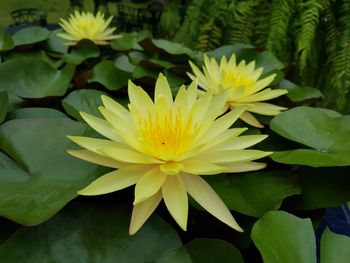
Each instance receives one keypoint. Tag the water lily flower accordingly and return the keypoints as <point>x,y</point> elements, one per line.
<point>87,26</point>
<point>244,84</point>
<point>163,145</point>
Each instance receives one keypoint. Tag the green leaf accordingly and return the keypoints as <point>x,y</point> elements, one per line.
<point>282,237</point>
<point>33,78</point>
<point>6,41</point>
<point>27,113</point>
<point>129,41</point>
<point>55,43</point>
<point>317,185</point>
<point>86,100</point>
<point>297,94</point>
<point>79,53</point>
<point>254,193</point>
<point>41,177</point>
<point>107,74</point>
<point>324,131</point>
<point>124,64</point>
<point>4,102</point>
<point>334,247</point>
<point>30,35</point>
<point>167,49</point>
<point>89,233</point>
<point>203,250</point>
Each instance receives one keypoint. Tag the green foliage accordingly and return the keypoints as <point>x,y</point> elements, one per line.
<point>311,37</point>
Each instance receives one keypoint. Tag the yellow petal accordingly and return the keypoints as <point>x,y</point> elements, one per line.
<point>206,197</point>
<point>139,98</point>
<point>266,109</point>
<point>266,94</point>
<point>242,142</point>
<point>101,126</point>
<point>149,184</point>
<point>143,211</point>
<point>202,167</point>
<point>171,168</point>
<point>250,119</point>
<point>128,155</point>
<point>116,108</point>
<point>162,89</point>
<point>260,84</point>
<point>245,167</point>
<point>221,124</point>
<point>95,158</point>
<point>175,198</point>
<point>92,144</point>
<point>232,156</point>
<point>113,181</point>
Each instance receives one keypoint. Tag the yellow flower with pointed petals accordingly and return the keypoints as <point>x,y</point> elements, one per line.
<point>243,82</point>
<point>87,26</point>
<point>163,146</point>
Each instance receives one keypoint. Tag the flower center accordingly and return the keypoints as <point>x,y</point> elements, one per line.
<point>166,134</point>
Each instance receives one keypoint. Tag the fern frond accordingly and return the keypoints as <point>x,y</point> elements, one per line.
<point>309,20</point>
<point>209,37</point>
<point>281,13</point>
<point>241,25</point>
<point>261,22</point>
<point>340,79</point>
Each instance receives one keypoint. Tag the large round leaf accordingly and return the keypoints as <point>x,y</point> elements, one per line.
<point>86,100</point>
<point>4,102</point>
<point>254,193</point>
<point>41,177</point>
<point>203,250</point>
<point>282,237</point>
<point>89,233</point>
<point>334,247</point>
<point>34,78</point>
<point>324,131</point>
<point>30,35</point>
<point>28,113</point>
<point>84,50</point>
<point>109,75</point>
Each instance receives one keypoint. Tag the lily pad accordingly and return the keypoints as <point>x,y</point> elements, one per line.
<point>89,233</point>
<point>34,78</point>
<point>297,93</point>
<point>167,49</point>
<point>203,250</point>
<point>4,102</point>
<point>254,193</point>
<point>282,237</point>
<point>334,247</point>
<point>323,132</point>
<point>41,177</point>
<point>30,35</point>
<point>28,113</point>
<point>86,100</point>
<point>107,74</point>
<point>129,41</point>
<point>84,50</point>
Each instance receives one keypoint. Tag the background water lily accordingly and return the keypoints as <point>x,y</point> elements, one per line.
<point>85,25</point>
<point>163,145</point>
<point>244,84</point>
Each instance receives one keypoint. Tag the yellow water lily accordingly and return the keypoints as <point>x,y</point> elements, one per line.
<point>244,84</point>
<point>85,25</point>
<point>163,146</point>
